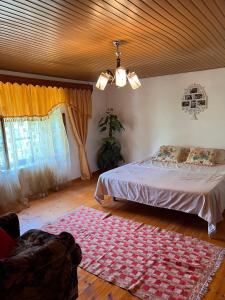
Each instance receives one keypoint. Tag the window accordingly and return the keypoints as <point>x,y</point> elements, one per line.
<point>28,142</point>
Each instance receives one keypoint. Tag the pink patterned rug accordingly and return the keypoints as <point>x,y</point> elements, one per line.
<point>149,262</point>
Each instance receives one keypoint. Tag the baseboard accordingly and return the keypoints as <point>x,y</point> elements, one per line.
<point>94,174</point>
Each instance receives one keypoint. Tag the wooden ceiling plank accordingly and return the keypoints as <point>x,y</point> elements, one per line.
<point>104,27</point>
<point>152,19</point>
<point>177,9</point>
<point>107,22</point>
<point>20,17</point>
<point>50,56</point>
<point>164,66</point>
<point>194,14</point>
<point>139,43</point>
<point>24,46</point>
<point>39,25</point>
<point>30,12</point>
<point>153,30</point>
<point>10,6</point>
<point>59,36</point>
<point>151,62</point>
<point>221,6</point>
<point>167,47</point>
<point>171,19</point>
<point>28,34</point>
<point>40,65</point>
<point>25,12</point>
<point>141,30</point>
<point>192,43</point>
<point>76,2</point>
<point>175,47</point>
<point>182,13</point>
<point>33,29</point>
<point>216,11</point>
<point>215,26</point>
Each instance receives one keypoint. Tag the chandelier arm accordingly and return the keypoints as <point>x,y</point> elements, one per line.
<point>110,73</point>
<point>111,76</point>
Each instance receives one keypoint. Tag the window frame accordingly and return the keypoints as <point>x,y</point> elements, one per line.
<point>5,147</point>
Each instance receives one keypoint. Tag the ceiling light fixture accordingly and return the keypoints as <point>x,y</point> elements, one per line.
<point>120,75</point>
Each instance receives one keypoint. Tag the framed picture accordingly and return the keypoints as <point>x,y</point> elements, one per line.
<point>201,102</point>
<point>194,90</point>
<point>198,96</point>
<point>194,100</point>
<point>193,104</point>
<point>185,103</point>
<point>188,97</point>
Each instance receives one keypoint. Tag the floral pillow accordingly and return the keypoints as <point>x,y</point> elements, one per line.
<point>220,156</point>
<point>171,154</point>
<point>201,156</point>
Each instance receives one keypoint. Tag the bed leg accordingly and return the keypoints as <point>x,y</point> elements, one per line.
<point>211,231</point>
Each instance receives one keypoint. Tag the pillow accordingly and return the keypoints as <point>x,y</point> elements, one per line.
<point>202,156</point>
<point>174,154</point>
<point>185,153</point>
<point>220,156</point>
<point>7,244</point>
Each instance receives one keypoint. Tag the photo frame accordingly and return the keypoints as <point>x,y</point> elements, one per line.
<point>201,102</point>
<point>193,104</point>
<point>188,97</point>
<point>198,96</point>
<point>185,103</point>
<point>194,90</point>
<point>194,100</point>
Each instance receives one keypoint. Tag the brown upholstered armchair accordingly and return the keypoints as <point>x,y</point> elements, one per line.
<point>42,267</point>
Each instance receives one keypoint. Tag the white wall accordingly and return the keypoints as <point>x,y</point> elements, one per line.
<point>93,139</point>
<point>152,114</point>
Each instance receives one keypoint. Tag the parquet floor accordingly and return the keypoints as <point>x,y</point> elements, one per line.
<point>81,193</point>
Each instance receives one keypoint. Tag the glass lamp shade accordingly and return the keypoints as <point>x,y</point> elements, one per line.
<point>102,81</point>
<point>121,77</point>
<point>134,81</point>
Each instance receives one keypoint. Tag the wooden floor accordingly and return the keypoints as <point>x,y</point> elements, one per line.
<point>81,193</point>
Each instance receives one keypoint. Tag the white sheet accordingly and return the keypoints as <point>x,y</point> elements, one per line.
<point>189,188</point>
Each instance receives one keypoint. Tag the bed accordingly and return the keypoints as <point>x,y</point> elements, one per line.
<point>188,188</point>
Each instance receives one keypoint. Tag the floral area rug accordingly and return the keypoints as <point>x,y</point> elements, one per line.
<point>149,262</point>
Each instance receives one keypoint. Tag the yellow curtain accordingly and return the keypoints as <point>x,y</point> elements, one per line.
<point>21,100</point>
<point>79,124</point>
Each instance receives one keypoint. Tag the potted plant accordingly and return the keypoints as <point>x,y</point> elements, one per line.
<point>109,155</point>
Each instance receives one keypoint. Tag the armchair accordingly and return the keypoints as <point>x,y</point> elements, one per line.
<point>43,265</point>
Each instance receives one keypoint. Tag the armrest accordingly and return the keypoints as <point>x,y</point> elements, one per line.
<point>57,255</point>
<point>68,240</point>
<point>59,245</point>
<point>10,223</point>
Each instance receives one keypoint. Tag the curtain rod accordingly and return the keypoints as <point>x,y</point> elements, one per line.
<point>44,82</point>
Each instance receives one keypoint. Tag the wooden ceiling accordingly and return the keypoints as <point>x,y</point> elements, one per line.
<point>73,38</point>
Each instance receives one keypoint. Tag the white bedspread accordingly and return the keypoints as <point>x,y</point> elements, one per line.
<point>192,189</point>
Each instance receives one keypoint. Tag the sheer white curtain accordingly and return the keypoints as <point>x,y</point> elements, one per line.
<point>34,157</point>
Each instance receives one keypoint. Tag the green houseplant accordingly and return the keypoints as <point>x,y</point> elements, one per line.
<point>109,154</point>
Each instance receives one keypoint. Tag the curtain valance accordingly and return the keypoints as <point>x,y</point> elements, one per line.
<point>21,100</point>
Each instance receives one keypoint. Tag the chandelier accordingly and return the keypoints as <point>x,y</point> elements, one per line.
<point>120,75</point>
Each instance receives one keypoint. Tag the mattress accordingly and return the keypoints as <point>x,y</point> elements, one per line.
<point>191,189</point>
